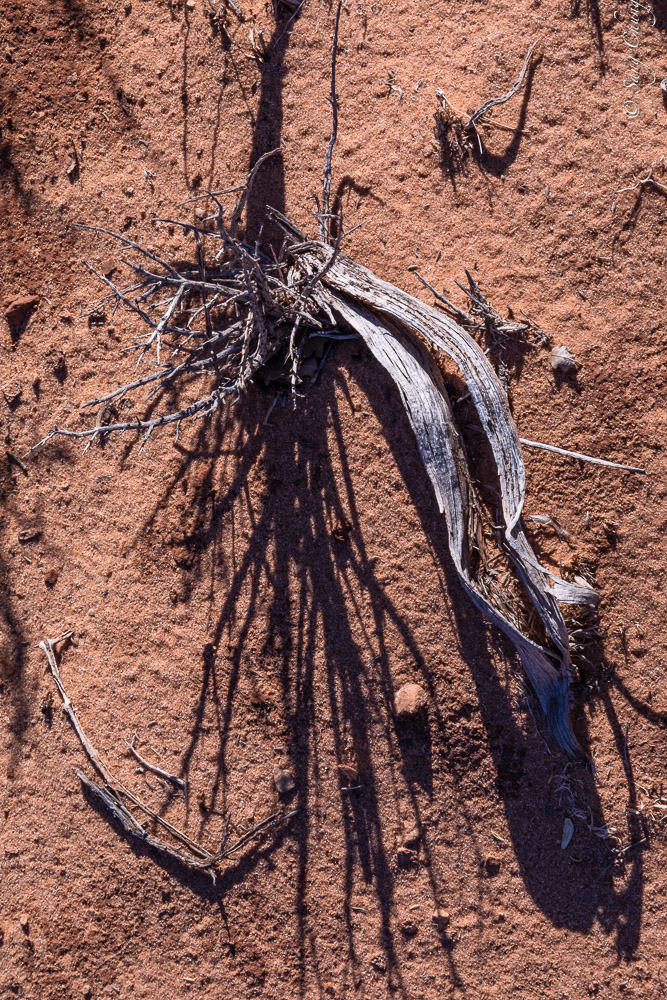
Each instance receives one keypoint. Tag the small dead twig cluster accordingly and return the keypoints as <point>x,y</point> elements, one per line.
<point>652,807</point>
<point>213,323</point>
<point>450,132</point>
<point>118,801</point>
<point>572,799</point>
<point>456,132</point>
<point>487,325</point>
<point>219,11</point>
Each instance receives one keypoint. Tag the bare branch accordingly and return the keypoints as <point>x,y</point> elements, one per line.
<point>325,217</point>
<point>582,458</point>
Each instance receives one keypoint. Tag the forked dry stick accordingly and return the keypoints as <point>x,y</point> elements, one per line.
<point>642,182</point>
<point>110,795</point>
<point>649,179</point>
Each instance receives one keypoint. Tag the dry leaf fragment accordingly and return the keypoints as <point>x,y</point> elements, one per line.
<point>568,833</point>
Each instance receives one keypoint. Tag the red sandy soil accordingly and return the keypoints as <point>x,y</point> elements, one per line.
<point>216,610</point>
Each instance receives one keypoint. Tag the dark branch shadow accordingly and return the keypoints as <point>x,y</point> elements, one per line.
<point>13,682</point>
<point>270,185</point>
<point>591,8</point>
<point>498,164</point>
<point>313,577</point>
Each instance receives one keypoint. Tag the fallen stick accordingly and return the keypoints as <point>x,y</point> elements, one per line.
<point>112,783</point>
<point>325,220</point>
<point>106,797</point>
<point>583,458</point>
<point>157,771</point>
<point>262,827</point>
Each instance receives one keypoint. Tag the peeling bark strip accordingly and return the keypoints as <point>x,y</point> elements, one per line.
<point>391,323</point>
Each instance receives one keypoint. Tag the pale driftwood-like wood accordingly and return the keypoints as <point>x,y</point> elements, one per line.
<point>391,338</point>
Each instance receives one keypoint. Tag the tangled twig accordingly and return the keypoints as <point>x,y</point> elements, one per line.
<point>641,182</point>
<point>454,130</point>
<point>215,322</point>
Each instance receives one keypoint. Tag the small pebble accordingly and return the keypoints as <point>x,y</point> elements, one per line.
<point>410,700</point>
<point>562,361</point>
<point>283,780</point>
<point>412,837</point>
<point>379,963</point>
<point>568,833</point>
<point>408,928</point>
<point>18,310</point>
<point>24,921</point>
<point>12,391</point>
<point>491,865</point>
<point>441,919</point>
<point>51,577</point>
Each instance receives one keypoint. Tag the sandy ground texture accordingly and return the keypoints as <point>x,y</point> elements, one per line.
<point>252,598</point>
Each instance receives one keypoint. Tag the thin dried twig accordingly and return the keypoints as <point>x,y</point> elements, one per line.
<point>477,116</point>
<point>117,788</point>
<point>257,831</point>
<point>109,800</point>
<point>583,458</point>
<point>172,779</point>
<point>453,129</point>
<point>649,179</point>
<point>325,218</point>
